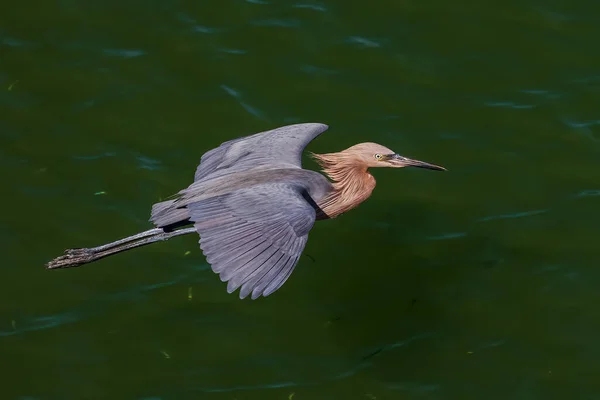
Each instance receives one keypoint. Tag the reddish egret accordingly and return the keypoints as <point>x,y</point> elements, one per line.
<point>253,205</point>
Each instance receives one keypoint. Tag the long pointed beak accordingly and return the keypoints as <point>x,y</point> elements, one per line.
<point>398,160</point>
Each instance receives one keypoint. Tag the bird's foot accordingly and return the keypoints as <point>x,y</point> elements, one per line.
<point>71,258</point>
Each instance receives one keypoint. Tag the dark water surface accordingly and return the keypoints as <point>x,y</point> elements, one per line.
<point>479,283</point>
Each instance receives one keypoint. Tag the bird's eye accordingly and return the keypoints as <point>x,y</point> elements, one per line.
<point>378,156</point>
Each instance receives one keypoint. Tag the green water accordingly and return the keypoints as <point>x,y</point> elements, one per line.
<point>478,283</point>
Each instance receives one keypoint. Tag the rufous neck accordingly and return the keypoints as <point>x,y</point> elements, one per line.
<point>352,183</point>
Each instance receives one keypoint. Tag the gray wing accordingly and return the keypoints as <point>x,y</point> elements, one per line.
<point>278,147</point>
<point>254,237</point>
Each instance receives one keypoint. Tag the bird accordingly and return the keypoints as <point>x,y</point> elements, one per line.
<point>253,205</point>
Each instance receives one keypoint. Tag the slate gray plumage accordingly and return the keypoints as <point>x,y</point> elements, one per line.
<point>250,210</point>
<point>253,205</point>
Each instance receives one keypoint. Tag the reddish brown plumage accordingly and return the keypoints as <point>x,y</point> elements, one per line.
<point>348,170</point>
<point>351,180</point>
<point>352,183</point>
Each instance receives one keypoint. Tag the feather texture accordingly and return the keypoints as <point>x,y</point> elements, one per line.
<point>253,237</point>
<point>280,147</point>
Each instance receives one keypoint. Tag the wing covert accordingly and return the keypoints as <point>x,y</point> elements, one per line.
<point>282,146</point>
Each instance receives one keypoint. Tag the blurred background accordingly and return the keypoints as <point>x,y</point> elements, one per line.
<point>478,283</point>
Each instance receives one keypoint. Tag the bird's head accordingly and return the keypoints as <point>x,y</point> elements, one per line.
<point>374,155</point>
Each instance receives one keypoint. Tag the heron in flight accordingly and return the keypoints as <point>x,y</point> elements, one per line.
<point>253,205</point>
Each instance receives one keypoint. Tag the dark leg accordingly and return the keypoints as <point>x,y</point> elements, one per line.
<point>77,257</point>
<point>141,235</point>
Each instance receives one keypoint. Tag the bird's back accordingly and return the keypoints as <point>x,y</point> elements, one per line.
<point>277,148</point>
<point>273,156</point>
<point>175,211</point>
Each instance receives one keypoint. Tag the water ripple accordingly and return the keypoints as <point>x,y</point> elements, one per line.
<point>575,124</point>
<point>583,127</point>
<point>10,160</point>
<point>233,51</point>
<point>45,322</point>
<point>492,344</point>
<point>338,376</point>
<point>148,163</point>
<point>588,193</point>
<point>452,235</point>
<point>250,109</point>
<point>286,384</point>
<point>281,23</point>
<point>400,343</point>
<point>362,41</point>
<point>124,53</point>
<point>183,17</point>
<point>231,91</point>
<point>314,7</point>
<point>413,387</point>
<point>94,306</point>
<point>94,157</point>
<point>509,104</point>
<point>12,42</point>
<point>514,215</point>
<point>311,69</point>
<point>204,29</point>
<point>351,372</point>
<point>252,387</point>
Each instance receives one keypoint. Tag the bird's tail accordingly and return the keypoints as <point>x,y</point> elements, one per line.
<point>167,213</point>
<point>77,257</point>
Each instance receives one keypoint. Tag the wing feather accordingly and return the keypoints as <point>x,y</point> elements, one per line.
<point>281,278</point>
<point>282,146</point>
<point>251,281</point>
<point>270,275</point>
<point>253,237</point>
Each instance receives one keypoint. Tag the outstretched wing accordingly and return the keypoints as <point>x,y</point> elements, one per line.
<point>254,237</point>
<point>278,147</point>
